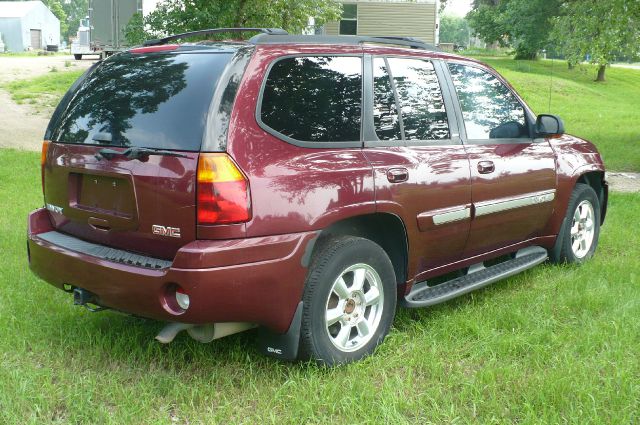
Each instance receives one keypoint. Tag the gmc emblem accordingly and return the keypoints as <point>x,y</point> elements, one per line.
<point>173,232</point>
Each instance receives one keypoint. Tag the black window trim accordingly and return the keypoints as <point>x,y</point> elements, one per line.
<point>529,115</point>
<point>305,143</point>
<point>371,139</point>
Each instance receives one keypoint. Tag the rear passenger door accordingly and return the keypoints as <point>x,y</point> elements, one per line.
<point>513,176</point>
<point>421,170</point>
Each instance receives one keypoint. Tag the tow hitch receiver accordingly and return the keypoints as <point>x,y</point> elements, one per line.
<point>86,299</point>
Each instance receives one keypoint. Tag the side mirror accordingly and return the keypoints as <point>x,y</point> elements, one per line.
<point>549,125</point>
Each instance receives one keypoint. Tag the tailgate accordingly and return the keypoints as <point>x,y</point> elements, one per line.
<point>142,205</point>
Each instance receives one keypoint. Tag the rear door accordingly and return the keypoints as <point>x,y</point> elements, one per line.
<point>142,203</point>
<point>513,176</point>
<point>421,169</point>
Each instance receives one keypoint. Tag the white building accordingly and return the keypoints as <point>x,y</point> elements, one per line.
<point>28,25</point>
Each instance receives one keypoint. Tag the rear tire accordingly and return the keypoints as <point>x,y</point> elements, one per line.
<point>349,301</point>
<point>77,57</point>
<point>580,230</point>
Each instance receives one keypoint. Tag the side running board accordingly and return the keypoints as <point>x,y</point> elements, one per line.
<point>478,276</point>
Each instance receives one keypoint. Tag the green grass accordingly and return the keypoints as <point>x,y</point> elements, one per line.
<point>552,345</point>
<point>608,114</point>
<point>43,92</point>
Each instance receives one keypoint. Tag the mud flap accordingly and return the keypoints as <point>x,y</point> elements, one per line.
<point>282,346</point>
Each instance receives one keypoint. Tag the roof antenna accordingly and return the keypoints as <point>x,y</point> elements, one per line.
<point>550,85</point>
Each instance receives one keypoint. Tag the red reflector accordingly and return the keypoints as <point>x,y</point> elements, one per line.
<point>151,49</point>
<point>43,160</point>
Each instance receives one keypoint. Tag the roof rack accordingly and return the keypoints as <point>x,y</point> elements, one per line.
<point>410,42</point>
<point>165,40</point>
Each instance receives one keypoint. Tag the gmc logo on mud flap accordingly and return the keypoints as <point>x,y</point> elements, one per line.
<point>173,232</point>
<point>274,350</point>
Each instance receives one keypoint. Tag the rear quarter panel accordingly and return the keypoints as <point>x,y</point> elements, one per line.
<point>294,189</point>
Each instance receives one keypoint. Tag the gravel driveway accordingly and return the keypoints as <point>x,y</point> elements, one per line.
<point>20,126</point>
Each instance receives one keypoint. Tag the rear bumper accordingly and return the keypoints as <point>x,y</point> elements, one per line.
<point>257,280</point>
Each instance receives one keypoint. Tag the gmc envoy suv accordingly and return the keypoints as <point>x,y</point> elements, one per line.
<point>305,185</point>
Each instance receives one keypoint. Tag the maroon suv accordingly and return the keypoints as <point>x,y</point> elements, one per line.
<point>303,184</point>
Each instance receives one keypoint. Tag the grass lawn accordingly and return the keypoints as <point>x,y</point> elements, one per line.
<point>554,344</point>
<point>607,114</point>
<point>43,92</point>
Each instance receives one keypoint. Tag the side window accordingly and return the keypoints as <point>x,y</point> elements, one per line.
<point>489,109</point>
<point>423,113</point>
<point>314,98</point>
<point>385,112</point>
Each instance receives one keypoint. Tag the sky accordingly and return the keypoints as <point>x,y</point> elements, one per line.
<point>457,7</point>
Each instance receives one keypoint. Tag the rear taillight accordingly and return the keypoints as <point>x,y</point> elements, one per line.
<point>182,298</point>
<point>223,191</point>
<point>43,160</point>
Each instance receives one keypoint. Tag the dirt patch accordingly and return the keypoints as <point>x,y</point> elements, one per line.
<point>623,182</point>
<point>21,67</point>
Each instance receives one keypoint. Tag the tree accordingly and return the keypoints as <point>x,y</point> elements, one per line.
<point>75,10</point>
<point>600,30</point>
<point>521,24</point>
<point>176,16</point>
<point>454,29</point>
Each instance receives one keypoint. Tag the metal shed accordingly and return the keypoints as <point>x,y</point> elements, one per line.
<point>28,25</point>
<point>405,18</point>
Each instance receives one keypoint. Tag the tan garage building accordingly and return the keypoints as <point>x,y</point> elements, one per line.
<point>417,18</point>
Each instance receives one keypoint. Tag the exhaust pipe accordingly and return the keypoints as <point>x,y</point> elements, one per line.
<point>202,333</point>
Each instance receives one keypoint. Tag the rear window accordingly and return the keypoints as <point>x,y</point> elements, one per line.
<point>155,101</point>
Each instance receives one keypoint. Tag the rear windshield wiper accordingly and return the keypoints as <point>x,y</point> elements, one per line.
<point>135,153</point>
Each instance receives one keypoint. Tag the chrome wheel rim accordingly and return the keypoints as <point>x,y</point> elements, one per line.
<point>582,229</point>
<point>354,307</point>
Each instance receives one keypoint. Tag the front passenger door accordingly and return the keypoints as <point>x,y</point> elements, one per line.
<point>513,177</point>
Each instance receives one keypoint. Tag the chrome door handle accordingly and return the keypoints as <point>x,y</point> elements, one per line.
<point>397,175</point>
<point>486,167</point>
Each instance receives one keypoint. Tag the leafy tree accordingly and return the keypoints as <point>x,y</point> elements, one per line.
<point>602,30</point>
<point>522,24</point>
<point>75,10</point>
<point>176,16</point>
<point>454,29</point>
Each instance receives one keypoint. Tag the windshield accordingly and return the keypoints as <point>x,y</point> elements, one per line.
<point>154,100</point>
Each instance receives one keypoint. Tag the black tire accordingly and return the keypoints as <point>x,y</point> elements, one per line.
<point>563,252</point>
<point>333,258</point>
<point>77,57</point>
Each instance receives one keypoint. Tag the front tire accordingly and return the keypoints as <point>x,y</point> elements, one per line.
<point>77,56</point>
<point>349,301</point>
<point>580,230</point>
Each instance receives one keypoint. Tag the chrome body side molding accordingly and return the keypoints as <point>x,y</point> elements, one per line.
<point>499,205</point>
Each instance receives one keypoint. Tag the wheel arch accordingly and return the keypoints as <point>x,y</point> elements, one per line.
<point>385,229</point>
<point>596,179</point>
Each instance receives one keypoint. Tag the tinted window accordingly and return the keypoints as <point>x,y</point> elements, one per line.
<point>385,112</point>
<point>423,114</point>
<point>489,109</point>
<point>156,100</point>
<point>314,98</point>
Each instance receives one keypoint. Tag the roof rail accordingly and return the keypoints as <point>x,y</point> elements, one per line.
<point>410,42</point>
<point>159,41</point>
